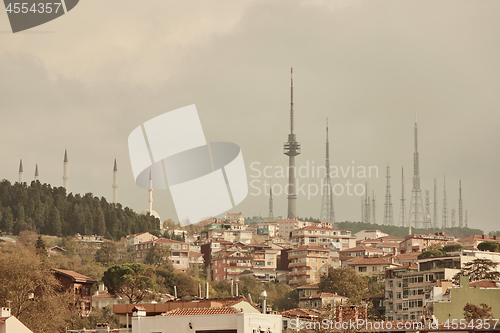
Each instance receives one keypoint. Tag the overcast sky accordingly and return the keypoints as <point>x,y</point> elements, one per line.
<point>85,80</point>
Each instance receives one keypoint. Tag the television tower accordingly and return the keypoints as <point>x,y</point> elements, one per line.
<point>435,219</point>
<point>460,206</point>
<point>388,212</point>
<point>271,214</point>
<point>416,215</point>
<point>402,213</point>
<point>115,184</point>
<point>291,148</point>
<point>445,209</point>
<point>327,210</point>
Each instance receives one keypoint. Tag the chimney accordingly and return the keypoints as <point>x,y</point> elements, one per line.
<point>4,312</point>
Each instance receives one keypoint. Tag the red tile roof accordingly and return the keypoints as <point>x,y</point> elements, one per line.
<point>484,284</point>
<point>200,311</point>
<point>77,277</point>
<point>299,312</point>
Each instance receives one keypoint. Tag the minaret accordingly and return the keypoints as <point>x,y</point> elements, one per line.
<point>21,177</point>
<point>416,215</point>
<point>460,206</point>
<point>65,170</point>
<point>150,200</point>
<point>36,172</point>
<point>435,219</point>
<point>388,211</point>
<point>115,184</point>
<point>291,148</point>
<point>445,208</point>
<point>402,213</point>
<point>327,210</point>
<point>271,213</point>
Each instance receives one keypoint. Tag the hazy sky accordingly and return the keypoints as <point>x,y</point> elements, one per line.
<point>86,80</point>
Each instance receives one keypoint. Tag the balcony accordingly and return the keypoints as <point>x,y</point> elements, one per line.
<point>240,264</point>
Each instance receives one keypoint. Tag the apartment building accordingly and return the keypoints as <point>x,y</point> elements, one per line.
<point>181,256</point>
<point>323,236</point>
<point>420,243</point>
<point>473,241</point>
<point>285,227</point>
<point>227,265</point>
<point>359,251</point>
<point>267,229</point>
<point>308,263</point>
<point>139,238</point>
<point>230,235</point>
<point>370,266</point>
<point>235,217</point>
<point>370,234</point>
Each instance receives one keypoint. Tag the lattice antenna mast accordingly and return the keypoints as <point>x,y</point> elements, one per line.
<point>327,211</point>
<point>388,211</point>
<point>427,221</point>
<point>460,206</point>
<point>402,212</point>
<point>373,207</point>
<point>291,148</point>
<point>416,215</point>
<point>271,213</point>
<point>445,208</point>
<point>453,215</point>
<point>435,217</point>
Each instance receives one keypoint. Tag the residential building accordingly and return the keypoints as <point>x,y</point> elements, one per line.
<point>359,251</point>
<point>266,274</point>
<point>180,254</point>
<point>10,324</point>
<point>230,235</point>
<point>291,317</point>
<point>473,241</point>
<point>235,217</point>
<point>407,258</point>
<point>227,265</point>
<point>80,285</point>
<point>140,238</point>
<point>367,234</point>
<point>266,229</point>
<point>311,297</point>
<point>323,236</point>
<point>287,226</point>
<point>485,291</point>
<point>420,243</point>
<point>308,263</point>
<point>370,266</point>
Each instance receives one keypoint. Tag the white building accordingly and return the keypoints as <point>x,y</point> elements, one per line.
<point>10,324</point>
<point>370,234</point>
<point>223,319</point>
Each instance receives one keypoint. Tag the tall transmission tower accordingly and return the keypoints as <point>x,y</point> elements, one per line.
<point>427,218</point>
<point>445,208</point>
<point>373,207</point>
<point>453,220</point>
<point>271,214</point>
<point>416,214</point>
<point>388,212</point>
<point>435,218</point>
<point>402,213</point>
<point>460,206</point>
<point>327,209</point>
<point>466,222</point>
<point>291,148</point>
<point>367,211</point>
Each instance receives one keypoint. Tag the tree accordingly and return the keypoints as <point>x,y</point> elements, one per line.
<point>344,282</point>
<point>158,256</point>
<point>133,281</point>
<point>473,312</point>
<point>430,254</point>
<point>452,248</point>
<point>107,254</point>
<point>478,269</point>
<point>489,246</point>
<point>40,246</point>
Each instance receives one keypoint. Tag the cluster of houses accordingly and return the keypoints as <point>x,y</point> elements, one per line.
<point>299,252</point>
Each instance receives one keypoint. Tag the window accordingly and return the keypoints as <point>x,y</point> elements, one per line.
<point>361,269</point>
<point>374,268</point>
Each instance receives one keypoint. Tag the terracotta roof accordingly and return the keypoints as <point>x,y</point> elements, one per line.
<point>77,277</point>
<point>362,248</point>
<point>484,284</point>
<point>479,237</point>
<point>368,260</point>
<point>299,312</point>
<point>200,311</point>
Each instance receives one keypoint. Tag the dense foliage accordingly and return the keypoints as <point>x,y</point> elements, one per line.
<point>458,232</point>
<point>48,210</point>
